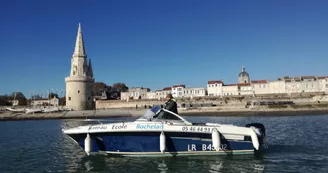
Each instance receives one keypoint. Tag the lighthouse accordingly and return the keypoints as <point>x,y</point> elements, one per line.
<point>79,84</point>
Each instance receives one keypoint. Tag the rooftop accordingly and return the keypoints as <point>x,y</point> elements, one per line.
<point>181,85</point>
<point>214,82</point>
<point>259,81</point>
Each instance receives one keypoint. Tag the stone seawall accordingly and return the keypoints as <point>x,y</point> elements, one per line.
<point>201,107</point>
<point>218,102</point>
<point>213,111</point>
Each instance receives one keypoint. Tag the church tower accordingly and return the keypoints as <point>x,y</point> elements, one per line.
<point>79,84</point>
<point>243,76</point>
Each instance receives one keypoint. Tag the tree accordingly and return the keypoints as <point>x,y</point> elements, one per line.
<point>3,101</point>
<point>99,88</point>
<point>112,92</point>
<point>52,95</point>
<point>20,97</point>
<point>36,96</point>
<point>117,88</point>
<point>63,101</point>
<point>8,99</point>
<point>120,87</point>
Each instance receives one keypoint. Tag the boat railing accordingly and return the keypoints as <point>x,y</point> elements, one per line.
<point>67,124</point>
<point>72,123</point>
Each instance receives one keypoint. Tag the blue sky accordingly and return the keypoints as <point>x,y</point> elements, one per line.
<point>161,43</point>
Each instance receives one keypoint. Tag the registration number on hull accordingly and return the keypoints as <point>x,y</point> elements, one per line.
<point>205,147</point>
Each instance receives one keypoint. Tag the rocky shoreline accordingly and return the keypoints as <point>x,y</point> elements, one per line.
<point>112,113</point>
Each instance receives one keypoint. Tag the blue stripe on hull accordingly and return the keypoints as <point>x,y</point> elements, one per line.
<point>177,143</point>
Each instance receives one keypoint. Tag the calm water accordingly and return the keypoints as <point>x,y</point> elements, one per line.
<point>296,144</point>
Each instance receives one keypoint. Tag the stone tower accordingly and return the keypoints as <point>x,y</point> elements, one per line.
<point>79,84</point>
<point>243,76</point>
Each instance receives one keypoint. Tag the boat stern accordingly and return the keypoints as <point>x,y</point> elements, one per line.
<point>259,130</point>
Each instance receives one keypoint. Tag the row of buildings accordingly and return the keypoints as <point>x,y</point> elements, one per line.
<point>44,102</point>
<point>80,82</point>
<point>244,87</point>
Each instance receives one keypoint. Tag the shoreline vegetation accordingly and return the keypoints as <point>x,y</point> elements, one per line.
<point>295,110</point>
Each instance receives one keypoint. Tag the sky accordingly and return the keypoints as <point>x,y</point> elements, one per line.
<point>159,43</point>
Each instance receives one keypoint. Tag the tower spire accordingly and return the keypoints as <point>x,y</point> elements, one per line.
<point>90,69</point>
<point>242,68</point>
<point>79,50</point>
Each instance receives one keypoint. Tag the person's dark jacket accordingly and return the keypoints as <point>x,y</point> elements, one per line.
<point>172,106</point>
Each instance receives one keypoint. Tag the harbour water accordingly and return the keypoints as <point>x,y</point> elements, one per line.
<point>296,144</point>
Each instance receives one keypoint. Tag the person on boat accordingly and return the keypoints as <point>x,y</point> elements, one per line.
<point>171,104</point>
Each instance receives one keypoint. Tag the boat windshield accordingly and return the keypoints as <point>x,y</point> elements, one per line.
<point>150,113</point>
<point>157,113</point>
<point>166,115</point>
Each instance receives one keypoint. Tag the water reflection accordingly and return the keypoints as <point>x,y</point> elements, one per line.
<point>162,167</point>
<point>212,164</point>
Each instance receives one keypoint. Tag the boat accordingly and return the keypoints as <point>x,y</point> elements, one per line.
<point>34,110</point>
<point>51,109</point>
<point>13,109</point>
<point>160,132</point>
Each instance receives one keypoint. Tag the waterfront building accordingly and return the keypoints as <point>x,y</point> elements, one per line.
<point>194,92</point>
<point>310,84</point>
<point>125,95</point>
<point>214,87</point>
<point>135,93</point>
<point>260,87</point>
<point>293,85</point>
<point>160,94</point>
<point>245,89</point>
<point>79,84</point>
<point>323,84</point>
<point>276,87</point>
<point>285,85</point>
<point>43,102</point>
<point>218,88</point>
<point>138,92</point>
<point>230,90</point>
<point>243,76</point>
<point>166,91</point>
<point>178,90</point>
<point>151,95</point>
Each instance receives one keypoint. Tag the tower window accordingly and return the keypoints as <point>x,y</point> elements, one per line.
<point>88,98</point>
<point>78,91</point>
<point>69,98</point>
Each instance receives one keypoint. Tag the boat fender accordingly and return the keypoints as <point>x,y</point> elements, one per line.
<point>162,142</point>
<point>87,144</point>
<point>255,140</point>
<point>216,140</point>
<point>258,126</point>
